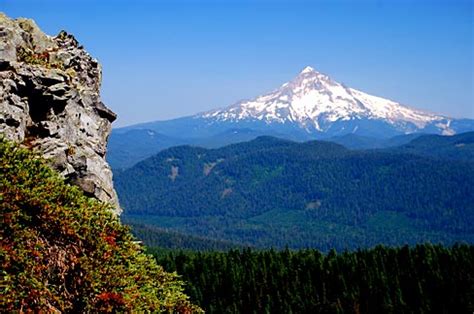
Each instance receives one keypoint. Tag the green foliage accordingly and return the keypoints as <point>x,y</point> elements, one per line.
<point>457,147</point>
<point>273,193</point>
<point>164,238</point>
<point>42,59</point>
<point>63,251</point>
<point>421,279</point>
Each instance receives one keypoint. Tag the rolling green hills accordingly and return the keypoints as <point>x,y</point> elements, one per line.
<point>272,192</point>
<point>457,147</point>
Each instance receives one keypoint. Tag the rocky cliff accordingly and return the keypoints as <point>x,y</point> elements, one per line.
<point>50,102</point>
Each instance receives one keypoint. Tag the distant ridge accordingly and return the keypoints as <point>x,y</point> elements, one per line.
<point>271,192</point>
<point>311,106</point>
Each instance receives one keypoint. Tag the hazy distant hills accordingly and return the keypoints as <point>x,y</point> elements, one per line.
<point>311,106</point>
<point>273,192</point>
<point>126,148</point>
<point>133,146</point>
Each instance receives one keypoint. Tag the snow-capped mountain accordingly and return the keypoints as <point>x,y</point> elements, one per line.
<point>311,106</point>
<point>317,104</point>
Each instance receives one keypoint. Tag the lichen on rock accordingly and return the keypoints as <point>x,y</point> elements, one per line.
<point>50,102</point>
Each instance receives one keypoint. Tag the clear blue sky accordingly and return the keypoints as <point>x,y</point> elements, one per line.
<point>165,59</point>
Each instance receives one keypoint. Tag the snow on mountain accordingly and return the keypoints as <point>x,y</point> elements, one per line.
<point>310,107</point>
<point>315,102</point>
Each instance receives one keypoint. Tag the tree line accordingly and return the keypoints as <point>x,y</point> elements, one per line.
<point>421,279</point>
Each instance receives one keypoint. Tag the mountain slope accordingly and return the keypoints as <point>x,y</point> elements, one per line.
<point>63,252</point>
<point>271,192</point>
<point>164,239</point>
<point>126,148</point>
<point>318,104</point>
<point>353,141</point>
<point>311,106</point>
<point>456,147</point>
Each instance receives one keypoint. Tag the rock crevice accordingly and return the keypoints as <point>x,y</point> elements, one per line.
<point>50,102</point>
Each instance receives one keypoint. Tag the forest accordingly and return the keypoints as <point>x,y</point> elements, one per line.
<point>420,279</point>
<point>271,193</point>
<point>304,196</point>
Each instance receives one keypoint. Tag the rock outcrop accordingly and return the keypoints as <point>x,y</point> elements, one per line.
<point>50,102</point>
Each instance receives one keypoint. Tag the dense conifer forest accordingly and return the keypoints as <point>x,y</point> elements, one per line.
<point>271,193</point>
<point>169,239</point>
<point>422,279</point>
<point>276,193</point>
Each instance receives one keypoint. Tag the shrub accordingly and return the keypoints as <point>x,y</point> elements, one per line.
<point>41,59</point>
<point>61,250</point>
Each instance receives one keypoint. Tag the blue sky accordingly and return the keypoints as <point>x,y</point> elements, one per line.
<point>165,59</point>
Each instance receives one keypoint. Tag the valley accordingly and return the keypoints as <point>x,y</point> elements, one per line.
<point>271,192</point>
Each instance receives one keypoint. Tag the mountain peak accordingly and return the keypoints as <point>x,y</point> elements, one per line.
<point>315,103</point>
<point>308,69</point>
<point>310,77</point>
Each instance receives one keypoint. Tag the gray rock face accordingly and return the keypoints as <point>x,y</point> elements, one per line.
<point>50,102</point>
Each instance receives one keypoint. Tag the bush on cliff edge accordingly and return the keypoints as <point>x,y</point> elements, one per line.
<point>62,251</point>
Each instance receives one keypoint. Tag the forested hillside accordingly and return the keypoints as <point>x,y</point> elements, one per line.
<point>271,192</point>
<point>457,147</point>
<point>128,147</point>
<point>158,237</point>
<point>353,141</point>
<point>421,279</point>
